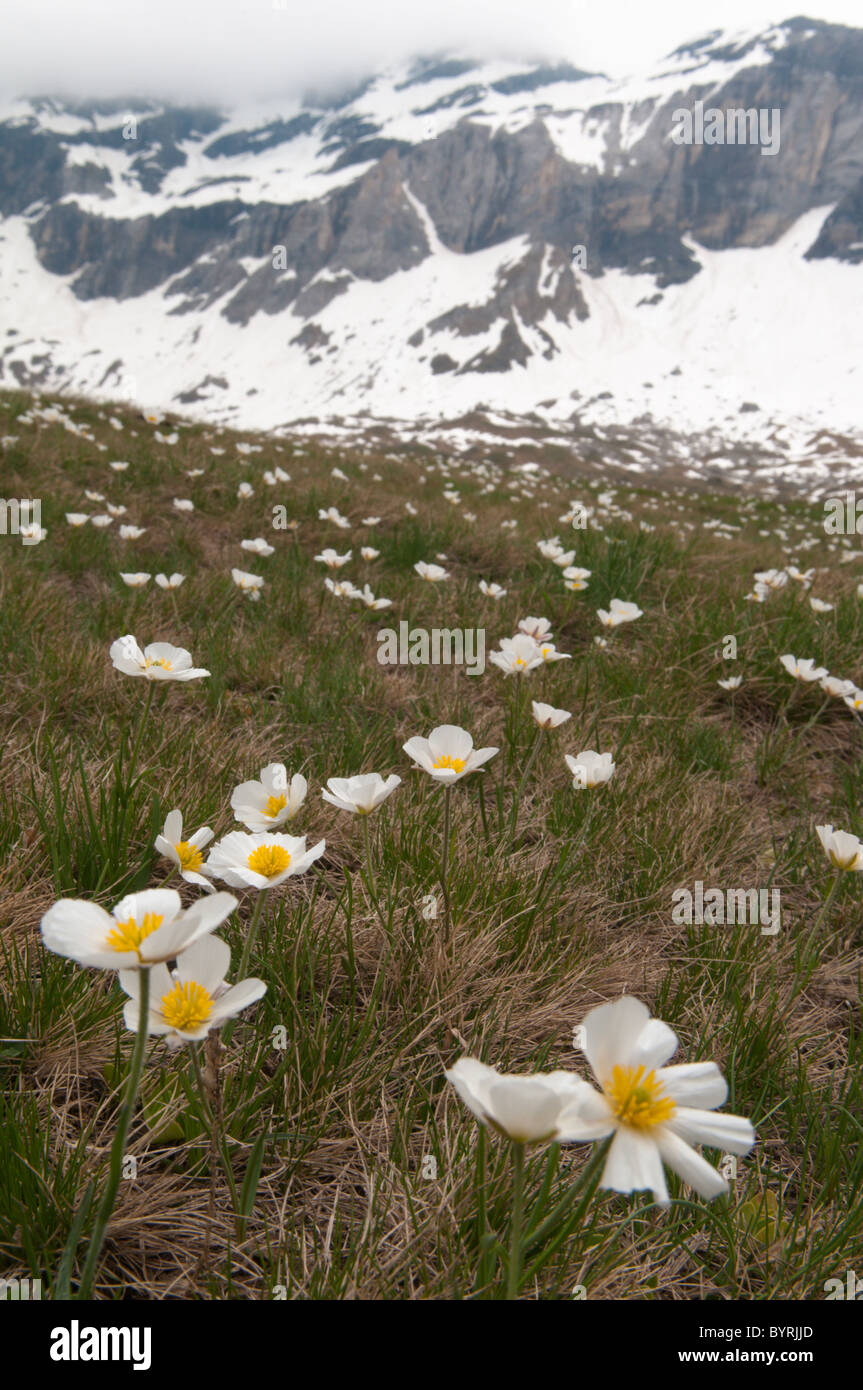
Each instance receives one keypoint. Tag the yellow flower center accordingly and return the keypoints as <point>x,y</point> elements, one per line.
<point>520,661</point>
<point>444,760</point>
<point>269,860</point>
<point>187,1007</point>
<point>127,936</point>
<point>638,1099</point>
<point>157,661</point>
<point>190,858</point>
<point>275,804</point>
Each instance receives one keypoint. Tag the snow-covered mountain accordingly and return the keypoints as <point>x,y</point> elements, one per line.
<point>463,251</point>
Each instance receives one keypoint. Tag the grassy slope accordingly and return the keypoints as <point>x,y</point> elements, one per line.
<point>576,913</point>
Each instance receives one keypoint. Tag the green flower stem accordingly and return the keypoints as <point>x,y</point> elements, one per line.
<point>821,918</point>
<point>513,1273</point>
<point>251,937</point>
<point>106,1206</point>
<point>367,843</point>
<point>136,746</point>
<point>444,862</point>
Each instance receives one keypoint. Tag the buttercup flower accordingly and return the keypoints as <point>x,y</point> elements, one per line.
<point>448,753</point>
<point>619,612</point>
<point>537,628</point>
<point>143,929</point>
<point>803,669</point>
<point>730,682</point>
<point>360,795</point>
<point>258,546</point>
<point>842,849</point>
<point>172,581</point>
<point>832,685</point>
<point>77,518</point>
<point>525,1109</point>
<point>187,1002</point>
<point>261,861</point>
<point>160,661</point>
<point>332,560</point>
<point>547,717</point>
<point>492,590</point>
<point>434,574</point>
<point>272,800</point>
<point>185,854</point>
<point>590,769</point>
<point>518,655</point>
<point>135,581</point>
<point>250,584</point>
<point>655,1112</point>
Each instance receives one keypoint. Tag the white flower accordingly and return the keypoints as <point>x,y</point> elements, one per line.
<point>758,595</point>
<point>184,504</point>
<point>803,669</point>
<point>369,599</point>
<point>132,533</point>
<point>537,628</point>
<point>160,661</point>
<point>370,521</point>
<point>143,929</point>
<point>250,584</point>
<point>771,579</point>
<point>173,581</point>
<point>95,496</point>
<point>100,520</point>
<point>818,605</point>
<point>245,491</point>
<point>185,854</point>
<point>135,581</point>
<point>854,700</point>
<point>334,515</point>
<point>32,533</point>
<point>361,794</point>
<point>518,655</point>
<point>448,753</point>
<point>117,510</point>
<point>550,549</point>
<point>258,546</point>
<point>77,518</point>
<point>832,685</point>
<point>526,1109</point>
<point>655,1112</point>
<point>564,559</point>
<point>342,588</point>
<point>730,682</point>
<point>547,717</point>
<point>620,612</point>
<point>187,1002</point>
<point>368,552</point>
<point>332,560</point>
<point>601,641</point>
<point>270,801</point>
<point>434,574</point>
<point>491,590</point>
<point>119,466</point>
<point>548,651</point>
<point>590,769</point>
<point>842,849</point>
<point>261,861</point>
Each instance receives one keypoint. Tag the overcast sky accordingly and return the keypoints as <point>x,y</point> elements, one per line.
<point>228,50</point>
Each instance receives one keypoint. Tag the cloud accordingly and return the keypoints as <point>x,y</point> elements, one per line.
<point>226,51</point>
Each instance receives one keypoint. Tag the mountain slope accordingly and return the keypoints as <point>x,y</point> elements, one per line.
<point>404,255</point>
